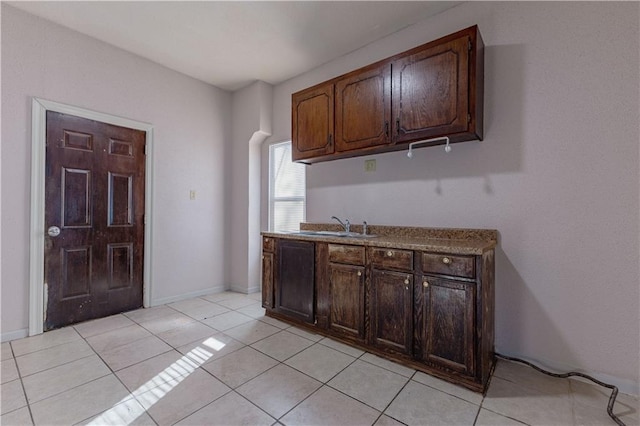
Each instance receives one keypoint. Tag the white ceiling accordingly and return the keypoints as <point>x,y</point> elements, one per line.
<point>231,44</point>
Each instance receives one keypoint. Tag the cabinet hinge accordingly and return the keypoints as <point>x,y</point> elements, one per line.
<point>468,118</point>
<point>470,45</point>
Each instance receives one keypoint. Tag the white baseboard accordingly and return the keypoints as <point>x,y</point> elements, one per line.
<point>165,300</point>
<point>238,289</point>
<point>14,335</point>
<point>256,289</point>
<point>624,385</point>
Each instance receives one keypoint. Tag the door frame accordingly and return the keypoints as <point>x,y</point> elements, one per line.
<point>39,108</point>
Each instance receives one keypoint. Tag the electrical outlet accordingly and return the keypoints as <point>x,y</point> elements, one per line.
<point>192,194</point>
<point>369,165</point>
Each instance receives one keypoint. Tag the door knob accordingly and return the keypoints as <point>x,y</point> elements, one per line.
<point>53,231</point>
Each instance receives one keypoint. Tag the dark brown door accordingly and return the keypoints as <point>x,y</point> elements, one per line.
<point>346,284</point>
<point>363,109</point>
<point>312,122</point>
<point>448,323</point>
<point>431,91</point>
<point>392,310</point>
<point>94,218</point>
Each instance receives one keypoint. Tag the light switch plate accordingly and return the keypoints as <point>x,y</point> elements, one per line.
<point>370,165</point>
<point>192,195</point>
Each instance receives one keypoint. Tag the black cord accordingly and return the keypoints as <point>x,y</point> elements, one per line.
<point>614,389</point>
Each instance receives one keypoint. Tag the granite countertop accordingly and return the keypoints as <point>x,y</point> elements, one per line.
<point>437,240</point>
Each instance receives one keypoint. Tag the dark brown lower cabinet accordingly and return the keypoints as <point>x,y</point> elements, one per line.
<point>295,282</point>
<point>346,300</point>
<point>268,259</point>
<point>391,310</point>
<point>448,323</point>
<point>267,280</point>
<point>430,311</point>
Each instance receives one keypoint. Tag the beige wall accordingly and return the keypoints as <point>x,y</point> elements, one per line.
<point>557,175</point>
<point>251,125</point>
<point>190,120</point>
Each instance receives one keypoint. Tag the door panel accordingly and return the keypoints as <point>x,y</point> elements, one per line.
<point>448,323</point>
<point>120,207</point>
<point>76,198</point>
<point>392,310</point>
<point>120,265</point>
<point>346,283</point>
<point>76,272</point>
<point>94,193</point>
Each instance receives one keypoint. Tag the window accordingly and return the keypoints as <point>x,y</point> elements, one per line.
<point>286,189</point>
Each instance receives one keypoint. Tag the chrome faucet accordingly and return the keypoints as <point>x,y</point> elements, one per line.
<point>364,228</point>
<point>345,225</point>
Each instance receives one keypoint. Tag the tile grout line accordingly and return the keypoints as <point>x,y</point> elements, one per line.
<point>243,345</point>
<point>173,348</point>
<point>322,384</point>
<point>231,389</point>
<point>111,371</point>
<point>24,390</point>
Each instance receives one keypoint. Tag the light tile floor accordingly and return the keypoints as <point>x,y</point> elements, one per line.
<point>217,360</point>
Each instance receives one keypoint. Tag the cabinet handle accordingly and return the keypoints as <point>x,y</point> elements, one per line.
<point>359,273</point>
<point>406,280</point>
<point>266,240</point>
<point>386,128</point>
<point>446,260</point>
<point>390,253</point>
<point>329,139</point>
<point>425,284</point>
<point>398,125</point>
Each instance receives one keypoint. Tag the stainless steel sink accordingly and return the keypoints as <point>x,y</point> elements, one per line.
<point>332,234</point>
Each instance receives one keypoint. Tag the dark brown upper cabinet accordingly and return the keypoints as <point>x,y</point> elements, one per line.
<point>363,109</point>
<point>312,122</point>
<point>433,90</point>
<point>431,96</point>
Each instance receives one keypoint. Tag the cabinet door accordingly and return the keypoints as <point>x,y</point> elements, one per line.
<point>346,287</point>
<point>267,280</point>
<point>392,310</point>
<point>312,122</point>
<point>294,284</point>
<point>431,92</point>
<point>363,109</point>
<point>448,323</point>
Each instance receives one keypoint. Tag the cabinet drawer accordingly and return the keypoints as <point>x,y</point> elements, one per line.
<point>268,244</point>
<point>392,259</point>
<point>352,255</point>
<point>458,266</point>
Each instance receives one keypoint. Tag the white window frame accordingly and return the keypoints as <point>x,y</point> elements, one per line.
<point>272,198</point>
